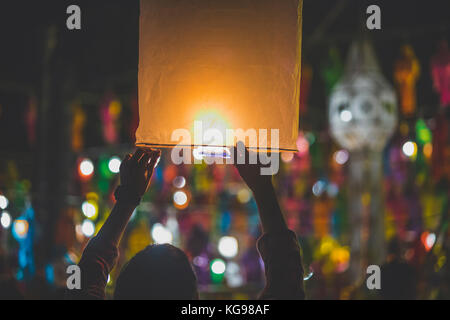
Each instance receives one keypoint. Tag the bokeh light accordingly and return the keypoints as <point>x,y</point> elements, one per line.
<point>244,195</point>
<point>3,202</point>
<point>86,168</point>
<point>228,246</point>
<point>341,156</point>
<point>218,266</point>
<point>20,228</point>
<point>319,187</point>
<point>90,209</point>
<point>428,150</point>
<point>302,144</point>
<point>180,199</point>
<point>114,164</point>
<point>161,234</point>
<point>287,156</point>
<point>5,219</point>
<point>409,148</point>
<point>179,182</point>
<point>88,228</point>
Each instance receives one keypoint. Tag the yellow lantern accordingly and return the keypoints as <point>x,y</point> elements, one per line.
<point>231,67</point>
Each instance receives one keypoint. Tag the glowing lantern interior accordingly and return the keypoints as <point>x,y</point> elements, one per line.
<point>225,64</point>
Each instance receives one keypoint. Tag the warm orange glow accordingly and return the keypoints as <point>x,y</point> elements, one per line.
<point>228,65</point>
<point>428,150</point>
<point>21,227</point>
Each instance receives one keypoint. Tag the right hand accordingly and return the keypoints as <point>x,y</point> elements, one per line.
<point>136,170</point>
<point>250,173</point>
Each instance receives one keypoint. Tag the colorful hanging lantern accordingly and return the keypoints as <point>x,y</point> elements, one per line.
<point>362,116</point>
<point>362,112</point>
<point>423,133</point>
<point>406,74</point>
<point>441,147</point>
<point>110,111</point>
<point>219,65</point>
<point>78,122</point>
<point>440,71</point>
<point>332,69</point>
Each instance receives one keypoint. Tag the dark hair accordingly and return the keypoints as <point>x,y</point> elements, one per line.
<point>159,272</point>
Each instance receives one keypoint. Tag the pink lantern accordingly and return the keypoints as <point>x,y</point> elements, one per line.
<point>440,71</point>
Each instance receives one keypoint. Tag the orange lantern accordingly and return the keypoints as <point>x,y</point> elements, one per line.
<point>222,66</point>
<point>406,74</point>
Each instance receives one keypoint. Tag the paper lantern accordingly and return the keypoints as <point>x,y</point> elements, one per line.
<point>406,74</point>
<point>362,111</point>
<point>110,111</point>
<point>221,65</point>
<point>363,115</point>
<point>440,71</point>
<point>332,69</point>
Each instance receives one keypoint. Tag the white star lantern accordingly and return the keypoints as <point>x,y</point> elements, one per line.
<point>362,107</point>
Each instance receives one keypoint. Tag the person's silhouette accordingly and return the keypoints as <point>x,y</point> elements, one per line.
<point>162,271</point>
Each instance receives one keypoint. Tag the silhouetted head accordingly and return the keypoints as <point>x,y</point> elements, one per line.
<point>394,247</point>
<point>159,272</point>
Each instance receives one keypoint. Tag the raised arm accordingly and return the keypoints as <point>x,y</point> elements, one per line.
<point>135,173</point>
<point>100,255</point>
<point>278,246</point>
<point>272,219</point>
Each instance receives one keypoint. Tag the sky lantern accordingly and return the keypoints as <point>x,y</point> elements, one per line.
<point>210,66</point>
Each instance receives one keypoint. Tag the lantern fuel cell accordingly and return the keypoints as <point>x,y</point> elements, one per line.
<point>227,64</point>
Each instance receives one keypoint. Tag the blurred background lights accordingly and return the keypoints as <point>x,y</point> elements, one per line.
<point>310,137</point>
<point>5,219</point>
<point>218,266</point>
<point>332,189</point>
<point>88,228</point>
<point>302,144</point>
<point>287,156</point>
<point>431,239</point>
<point>341,156</point>
<point>3,202</point>
<point>243,195</point>
<point>114,164</point>
<point>428,150</point>
<point>86,167</point>
<point>346,115</point>
<point>228,246</point>
<point>200,261</point>
<point>409,148</point>
<point>428,239</point>
<point>179,182</point>
<point>180,199</point>
<point>318,188</point>
<point>233,275</point>
<point>20,228</point>
<point>89,209</point>
<point>161,234</point>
